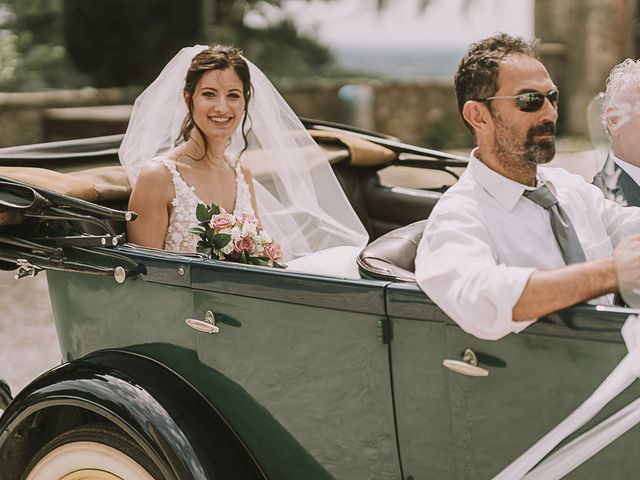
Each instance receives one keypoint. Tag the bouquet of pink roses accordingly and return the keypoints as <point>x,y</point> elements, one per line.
<point>238,239</point>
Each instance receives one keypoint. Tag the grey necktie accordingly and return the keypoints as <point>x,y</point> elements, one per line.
<point>560,224</point>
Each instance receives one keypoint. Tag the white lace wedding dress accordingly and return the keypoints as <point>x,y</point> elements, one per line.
<point>337,261</point>
<point>185,201</point>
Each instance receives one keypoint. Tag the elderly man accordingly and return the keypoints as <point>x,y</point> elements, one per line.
<point>511,241</point>
<point>619,178</point>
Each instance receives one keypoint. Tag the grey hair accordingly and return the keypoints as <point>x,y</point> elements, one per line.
<point>622,76</point>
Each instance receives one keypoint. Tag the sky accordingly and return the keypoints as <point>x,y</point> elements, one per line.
<point>342,23</point>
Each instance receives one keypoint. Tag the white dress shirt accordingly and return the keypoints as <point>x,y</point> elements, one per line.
<point>632,170</point>
<point>483,241</point>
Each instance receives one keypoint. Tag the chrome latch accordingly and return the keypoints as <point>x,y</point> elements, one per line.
<point>467,366</point>
<point>26,269</point>
<point>208,325</point>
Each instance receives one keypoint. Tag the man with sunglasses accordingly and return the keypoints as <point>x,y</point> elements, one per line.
<point>619,178</point>
<point>512,240</point>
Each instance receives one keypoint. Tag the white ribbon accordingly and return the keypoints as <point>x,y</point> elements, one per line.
<point>588,444</point>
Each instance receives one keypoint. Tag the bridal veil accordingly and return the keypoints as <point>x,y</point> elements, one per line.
<point>299,199</point>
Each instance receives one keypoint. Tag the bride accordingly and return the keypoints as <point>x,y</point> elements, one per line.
<point>213,129</point>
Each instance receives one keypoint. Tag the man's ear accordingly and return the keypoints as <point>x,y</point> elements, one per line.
<point>477,115</point>
<point>612,120</point>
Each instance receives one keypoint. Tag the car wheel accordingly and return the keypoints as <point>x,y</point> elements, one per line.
<point>97,452</point>
<point>5,394</point>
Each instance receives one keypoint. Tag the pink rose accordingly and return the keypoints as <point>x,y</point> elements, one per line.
<point>249,218</point>
<point>245,244</point>
<point>272,252</point>
<point>221,221</point>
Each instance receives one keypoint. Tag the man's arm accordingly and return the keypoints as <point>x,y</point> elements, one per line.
<point>550,290</point>
<point>456,267</point>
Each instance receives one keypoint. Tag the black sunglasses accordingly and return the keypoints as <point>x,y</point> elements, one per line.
<point>531,101</point>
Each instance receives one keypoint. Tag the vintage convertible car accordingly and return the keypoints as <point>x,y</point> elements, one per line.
<point>181,367</point>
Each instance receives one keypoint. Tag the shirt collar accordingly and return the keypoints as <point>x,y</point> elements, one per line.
<point>504,190</point>
<point>632,170</point>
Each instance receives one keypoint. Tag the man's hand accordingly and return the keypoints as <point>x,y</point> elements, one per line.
<point>627,258</point>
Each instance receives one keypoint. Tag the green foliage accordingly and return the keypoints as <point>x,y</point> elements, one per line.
<point>31,53</point>
<point>121,42</point>
<point>279,49</point>
<point>282,51</point>
<point>74,43</point>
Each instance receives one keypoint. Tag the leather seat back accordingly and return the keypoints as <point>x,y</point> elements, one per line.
<point>392,256</point>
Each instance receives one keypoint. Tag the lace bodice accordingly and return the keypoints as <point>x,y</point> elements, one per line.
<point>185,201</point>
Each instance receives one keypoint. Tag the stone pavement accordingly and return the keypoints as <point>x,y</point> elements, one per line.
<point>28,344</point>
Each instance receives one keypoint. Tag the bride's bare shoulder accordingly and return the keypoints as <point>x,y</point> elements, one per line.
<point>154,173</point>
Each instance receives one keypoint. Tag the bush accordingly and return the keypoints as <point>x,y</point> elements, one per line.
<point>121,42</point>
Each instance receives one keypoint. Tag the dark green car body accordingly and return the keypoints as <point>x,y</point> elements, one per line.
<point>306,376</point>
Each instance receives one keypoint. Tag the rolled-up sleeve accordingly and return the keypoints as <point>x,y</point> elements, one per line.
<point>457,268</point>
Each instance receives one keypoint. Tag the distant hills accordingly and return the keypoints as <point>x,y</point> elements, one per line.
<point>400,63</point>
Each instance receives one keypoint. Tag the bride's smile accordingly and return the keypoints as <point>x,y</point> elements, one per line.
<point>221,119</point>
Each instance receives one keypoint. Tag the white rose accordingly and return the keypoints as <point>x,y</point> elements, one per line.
<point>236,233</point>
<point>249,229</point>
<point>264,237</point>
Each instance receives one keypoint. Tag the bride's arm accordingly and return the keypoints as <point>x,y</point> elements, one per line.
<point>151,200</point>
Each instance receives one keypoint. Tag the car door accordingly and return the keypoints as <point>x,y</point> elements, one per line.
<point>420,384</point>
<point>535,379</point>
<point>309,350</point>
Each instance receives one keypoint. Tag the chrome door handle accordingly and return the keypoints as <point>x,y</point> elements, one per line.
<point>208,325</point>
<point>467,366</point>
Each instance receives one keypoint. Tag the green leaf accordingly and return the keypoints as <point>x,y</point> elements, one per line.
<point>202,213</point>
<point>204,249</point>
<point>211,236</point>
<point>221,240</point>
<point>259,261</point>
<point>213,210</point>
<point>197,231</point>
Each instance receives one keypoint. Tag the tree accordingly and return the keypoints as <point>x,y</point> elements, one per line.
<point>31,53</point>
<point>73,43</point>
<point>279,48</point>
<point>122,42</point>
<point>119,42</point>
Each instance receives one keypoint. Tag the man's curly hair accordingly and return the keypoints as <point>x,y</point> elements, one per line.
<point>477,74</point>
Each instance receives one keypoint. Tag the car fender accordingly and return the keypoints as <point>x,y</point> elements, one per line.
<point>164,414</point>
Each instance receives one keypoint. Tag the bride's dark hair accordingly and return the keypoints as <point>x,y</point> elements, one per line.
<point>216,57</point>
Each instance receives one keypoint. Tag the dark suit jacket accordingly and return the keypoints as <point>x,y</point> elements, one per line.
<point>617,185</point>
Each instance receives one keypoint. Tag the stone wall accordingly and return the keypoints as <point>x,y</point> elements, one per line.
<point>26,117</point>
<point>422,113</point>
